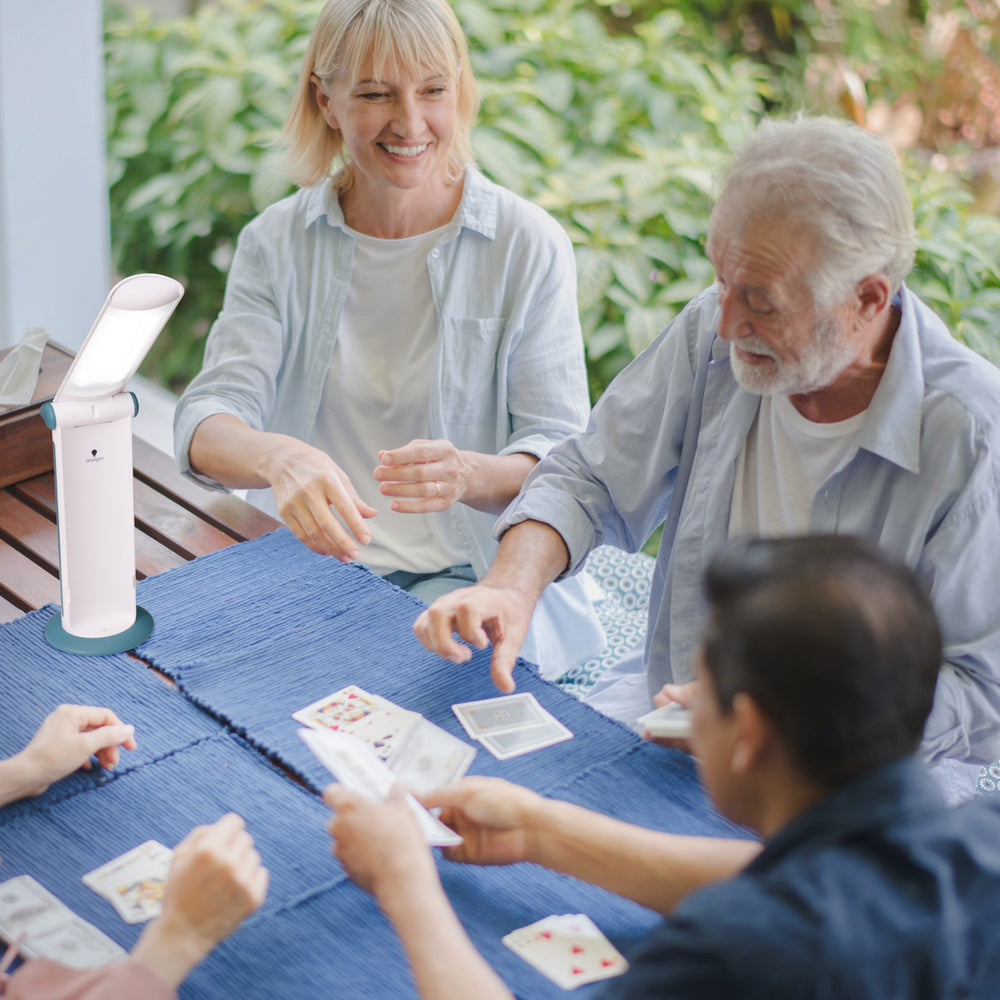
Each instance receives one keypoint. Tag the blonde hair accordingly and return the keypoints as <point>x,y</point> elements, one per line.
<point>408,34</point>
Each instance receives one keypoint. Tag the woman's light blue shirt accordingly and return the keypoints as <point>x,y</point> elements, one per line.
<point>510,375</point>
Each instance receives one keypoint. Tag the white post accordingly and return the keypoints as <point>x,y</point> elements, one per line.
<point>54,231</point>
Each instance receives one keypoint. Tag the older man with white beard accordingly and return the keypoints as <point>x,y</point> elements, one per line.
<point>807,391</point>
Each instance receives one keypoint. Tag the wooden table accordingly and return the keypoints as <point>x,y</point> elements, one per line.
<point>175,519</point>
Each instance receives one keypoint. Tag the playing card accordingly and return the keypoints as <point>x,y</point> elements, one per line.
<point>75,943</point>
<point>569,949</point>
<point>514,742</point>
<point>384,730</point>
<point>340,708</point>
<point>431,758</point>
<point>498,714</point>
<point>671,720</point>
<point>50,928</point>
<point>356,767</point>
<point>133,883</point>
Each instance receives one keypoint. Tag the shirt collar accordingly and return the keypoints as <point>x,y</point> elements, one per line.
<point>888,792</point>
<point>892,425</point>
<point>891,428</point>
<point>476,211</point>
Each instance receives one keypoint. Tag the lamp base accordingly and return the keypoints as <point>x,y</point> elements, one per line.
<point>58,636</point>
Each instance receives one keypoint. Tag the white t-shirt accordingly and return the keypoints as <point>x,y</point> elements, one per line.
<point>785,460</point>
<point>377,392</point>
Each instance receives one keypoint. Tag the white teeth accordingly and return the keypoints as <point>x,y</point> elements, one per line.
<point>404,150</point>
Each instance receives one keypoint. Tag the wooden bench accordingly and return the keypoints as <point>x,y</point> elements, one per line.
<point>175,519</point>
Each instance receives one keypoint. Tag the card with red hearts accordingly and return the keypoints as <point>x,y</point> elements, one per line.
<point>569,949</point>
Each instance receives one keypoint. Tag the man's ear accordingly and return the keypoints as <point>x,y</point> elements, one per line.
<point>322,99</point>
<point>753,734</point>
<point>872,296</point>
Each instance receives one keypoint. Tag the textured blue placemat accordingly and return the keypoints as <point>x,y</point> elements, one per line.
<point>251,634</point>
<point>256,631</point>
<point>34,678</point>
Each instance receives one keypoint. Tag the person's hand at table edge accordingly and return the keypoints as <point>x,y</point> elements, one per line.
<point>383,851</point>
<point>308,488</point>
<point>65,741</point>
<point>308,485</point>
<point>480,615</point>
<point>216,881</point>
<point>682,694</point>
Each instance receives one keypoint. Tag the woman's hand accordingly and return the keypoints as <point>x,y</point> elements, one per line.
<point>216,881</point>
<point>426,476</point>
<point>308,486</point>
<point>65,742</point>
<point>429,476</point>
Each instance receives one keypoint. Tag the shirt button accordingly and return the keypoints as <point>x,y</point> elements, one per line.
<point>435,253</point>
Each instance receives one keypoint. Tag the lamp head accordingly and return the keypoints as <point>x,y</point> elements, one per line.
<point>131,318</point>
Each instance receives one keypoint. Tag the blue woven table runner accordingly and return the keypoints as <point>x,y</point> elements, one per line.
<point>251,634</point>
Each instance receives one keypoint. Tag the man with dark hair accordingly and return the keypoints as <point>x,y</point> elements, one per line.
<point>836,643</point>
<point>817,671</point>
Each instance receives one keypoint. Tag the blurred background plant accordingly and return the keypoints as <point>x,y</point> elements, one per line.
<point>613,116</point>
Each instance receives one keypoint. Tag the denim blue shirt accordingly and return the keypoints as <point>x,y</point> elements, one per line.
<point>879,892</point>
<point>509,368</point>
<point>923,482</point>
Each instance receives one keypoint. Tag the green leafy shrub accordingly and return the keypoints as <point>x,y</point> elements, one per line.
<point>614,120</point>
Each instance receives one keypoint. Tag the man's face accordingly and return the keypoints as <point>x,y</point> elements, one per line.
<point>780,344</point>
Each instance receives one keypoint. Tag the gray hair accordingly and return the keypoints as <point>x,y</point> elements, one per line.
<point>843,183</point>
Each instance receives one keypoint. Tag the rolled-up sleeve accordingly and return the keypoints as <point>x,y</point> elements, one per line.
<point>44,980</point>
<point>613,482</point>
<point>243,355</point>
<point>547,397</point>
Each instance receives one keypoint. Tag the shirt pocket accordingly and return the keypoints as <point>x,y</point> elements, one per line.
<point>469,385</point>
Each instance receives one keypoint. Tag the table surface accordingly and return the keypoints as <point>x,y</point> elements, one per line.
<point>175,519</point>
<point>247,635</point>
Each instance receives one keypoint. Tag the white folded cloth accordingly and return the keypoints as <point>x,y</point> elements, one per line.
<point>19,369</point>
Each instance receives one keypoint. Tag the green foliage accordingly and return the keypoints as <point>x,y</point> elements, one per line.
<point>957,271</point>
<point>614,119</point>
<point>193,108</point>
<point>618,136</point>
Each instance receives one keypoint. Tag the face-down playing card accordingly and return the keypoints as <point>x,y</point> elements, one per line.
<point>511,725</point>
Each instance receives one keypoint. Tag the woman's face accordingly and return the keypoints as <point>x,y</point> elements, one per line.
<point>397,129</point>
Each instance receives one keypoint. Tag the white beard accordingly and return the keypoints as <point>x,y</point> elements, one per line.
<point>817,366</point>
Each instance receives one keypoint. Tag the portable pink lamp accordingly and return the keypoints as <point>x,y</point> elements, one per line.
<point>91,422</point>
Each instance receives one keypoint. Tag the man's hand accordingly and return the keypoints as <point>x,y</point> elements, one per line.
<point>307,483</point>
<point>426,476</point>
<point>481,615</point>
<point>492,816</point>
<point>683,694</point>
<point>216,881</point>
<point>66,741</point>
<point>380,844</point>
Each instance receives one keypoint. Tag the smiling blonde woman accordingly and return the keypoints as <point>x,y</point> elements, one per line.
<point>399,342</point>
